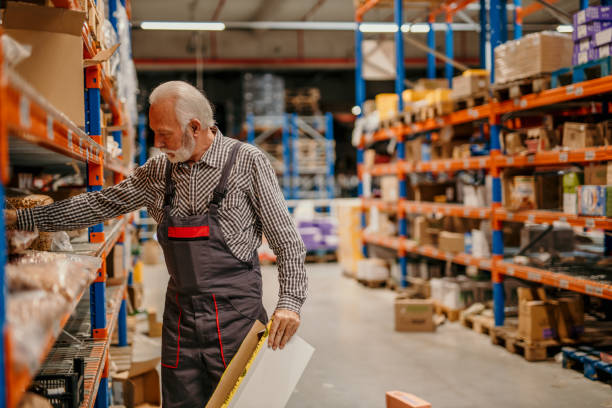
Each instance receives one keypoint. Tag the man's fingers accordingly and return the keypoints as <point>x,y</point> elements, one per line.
<point>273,330</point>
<point>289,332</point>
<point>279,334</point>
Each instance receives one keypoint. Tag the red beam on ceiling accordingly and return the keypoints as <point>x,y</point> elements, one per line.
<point>364,8</point>
<point>532,8</point>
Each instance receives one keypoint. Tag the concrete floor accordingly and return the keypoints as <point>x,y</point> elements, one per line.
<point>359,356</point>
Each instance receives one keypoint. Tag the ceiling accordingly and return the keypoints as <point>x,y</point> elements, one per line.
<point>237,49</point>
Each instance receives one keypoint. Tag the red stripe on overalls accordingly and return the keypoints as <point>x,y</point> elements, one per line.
<point>178,341</point>
<point>219,331</point>
<point>188,232</point>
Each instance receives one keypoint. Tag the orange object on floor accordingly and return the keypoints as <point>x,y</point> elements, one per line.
<point>400,399</point>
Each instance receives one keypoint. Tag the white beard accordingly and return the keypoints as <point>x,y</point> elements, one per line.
<point>184,152</point>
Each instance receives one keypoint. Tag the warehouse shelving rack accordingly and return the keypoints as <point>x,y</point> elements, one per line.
<point>32,129</point>
<point>490,113</point>
<point>297,177</point>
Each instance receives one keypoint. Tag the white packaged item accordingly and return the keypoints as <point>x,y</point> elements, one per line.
<point>480,245</point>
<point>372,269</point>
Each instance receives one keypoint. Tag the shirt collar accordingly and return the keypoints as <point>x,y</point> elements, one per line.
<point>213,156</point>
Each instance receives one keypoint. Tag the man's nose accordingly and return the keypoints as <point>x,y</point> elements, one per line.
<point>157,142</point>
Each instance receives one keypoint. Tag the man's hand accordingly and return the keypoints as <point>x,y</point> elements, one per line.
<point>10,217</point>
<point>284,325</point>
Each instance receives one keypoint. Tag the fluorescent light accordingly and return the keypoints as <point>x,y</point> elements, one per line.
<point>565,28</point>
<point>378,28</point>
<point>182,25</point>
<point>405,28</point>
<point>356,110</point>
<point>419,28</point>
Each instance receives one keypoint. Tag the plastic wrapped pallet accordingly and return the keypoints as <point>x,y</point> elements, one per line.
<point>532,55</point>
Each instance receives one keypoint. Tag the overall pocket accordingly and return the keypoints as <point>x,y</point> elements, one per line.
<point>171,333</point>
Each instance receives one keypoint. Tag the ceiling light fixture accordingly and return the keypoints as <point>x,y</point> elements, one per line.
<point>182,25</point>
<point>565,28</point>
<point>419,28</point>
<point>378,28</point>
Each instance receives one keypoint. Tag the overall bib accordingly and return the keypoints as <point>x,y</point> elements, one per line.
<point>212,300</point>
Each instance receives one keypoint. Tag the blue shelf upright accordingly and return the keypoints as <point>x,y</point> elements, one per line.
<point>431,43</point>
<point>448,42</point>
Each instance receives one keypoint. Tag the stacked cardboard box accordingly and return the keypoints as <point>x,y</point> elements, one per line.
<point>349,242</point>
<point>592,34</point>
<point>532,55</point>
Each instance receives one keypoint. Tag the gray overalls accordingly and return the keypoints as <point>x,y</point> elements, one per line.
<point>212,300</point>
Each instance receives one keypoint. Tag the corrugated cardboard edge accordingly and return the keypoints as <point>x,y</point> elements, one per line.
<point>25,16</point>
<point>233,375</point>
<point>100,57</point>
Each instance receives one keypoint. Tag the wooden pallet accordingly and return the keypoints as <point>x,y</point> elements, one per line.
<point>451,314</point>
<point>578,73</point>
<point>516,89</point>
<point>373,283</point>
<point>507,336</point>
<point>478,323</point>
<point>321,257</point>
<point>471,101</point>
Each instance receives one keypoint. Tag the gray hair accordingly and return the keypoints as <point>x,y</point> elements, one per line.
<point>190,103</point>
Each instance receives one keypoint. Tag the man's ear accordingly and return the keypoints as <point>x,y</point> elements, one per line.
<point>195,125</point>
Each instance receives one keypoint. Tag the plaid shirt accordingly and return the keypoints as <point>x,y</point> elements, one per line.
<point>254,204</point>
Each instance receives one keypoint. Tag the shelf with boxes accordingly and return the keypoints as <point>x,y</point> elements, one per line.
<point>522,172</point>
<point>51,131</point>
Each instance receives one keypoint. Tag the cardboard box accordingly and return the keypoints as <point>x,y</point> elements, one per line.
<point>386,105</point>
<point>605,131</point>
<point>537,320</point>
<point>523,193</point>
<point>400,399</point>
<point>369,156</point>
<point>588,29</point>
<point>602,38</point>
<point>594,200</point>
<point>258,376</point>
<point>349,236</point>
<point>155,327</point>
<point>581,135</point>
<point>533,54</point>
<point>138,387</point>
<point>549,191</point>
<point>453,242</point>
<point>598,13</point>
<point>414,315</point>
<point>431,84</point>
<point>413,150</point>
<point>389,189</point>
<point>55,68</point>
<point>571,317</point>
<point>465,86</point>
<point>462,151</point>
<point>598,174</point>
<point>514,143</point>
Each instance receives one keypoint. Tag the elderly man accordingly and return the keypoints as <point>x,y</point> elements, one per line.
<point>212,197</point>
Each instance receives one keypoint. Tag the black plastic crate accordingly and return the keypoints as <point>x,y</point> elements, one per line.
<point>62,383</point>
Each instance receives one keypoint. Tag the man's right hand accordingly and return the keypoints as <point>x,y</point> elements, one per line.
<point>10,217</point>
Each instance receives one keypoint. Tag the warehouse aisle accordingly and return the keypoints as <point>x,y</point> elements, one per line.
<point>359,356</point>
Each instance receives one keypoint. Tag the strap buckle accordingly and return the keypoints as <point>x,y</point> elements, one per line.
<point>218,196</point>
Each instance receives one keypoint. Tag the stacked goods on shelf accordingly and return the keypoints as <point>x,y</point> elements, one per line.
<point>472,82</point>
<point>592,34</point>
<point>544,318</point>
<point>349,236</point>
<point>55,35</point>
<point>532,56</point>
<point>43,287</point>
<point>311,154</point>
<point>263,95</point>
<point>303,101</point>
<point>319,231</point>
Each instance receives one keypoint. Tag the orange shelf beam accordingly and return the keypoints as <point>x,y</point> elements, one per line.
<point>591,154</point>
<point>452,210</point>
<point>364,8</point>
<point>382,169</point>
<point>387,242</point>
<point>432,252</point>
<point>448,165</point>
<point>557,280</point>
<point>548,217</point>
<point>380,204</point>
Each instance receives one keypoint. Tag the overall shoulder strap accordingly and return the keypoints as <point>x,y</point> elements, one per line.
<point>169,189</point>
<point>221,188</point>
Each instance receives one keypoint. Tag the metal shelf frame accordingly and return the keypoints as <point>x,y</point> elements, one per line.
<point>493,27</point>
<point>292,127</point>
<point>26,115</point>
